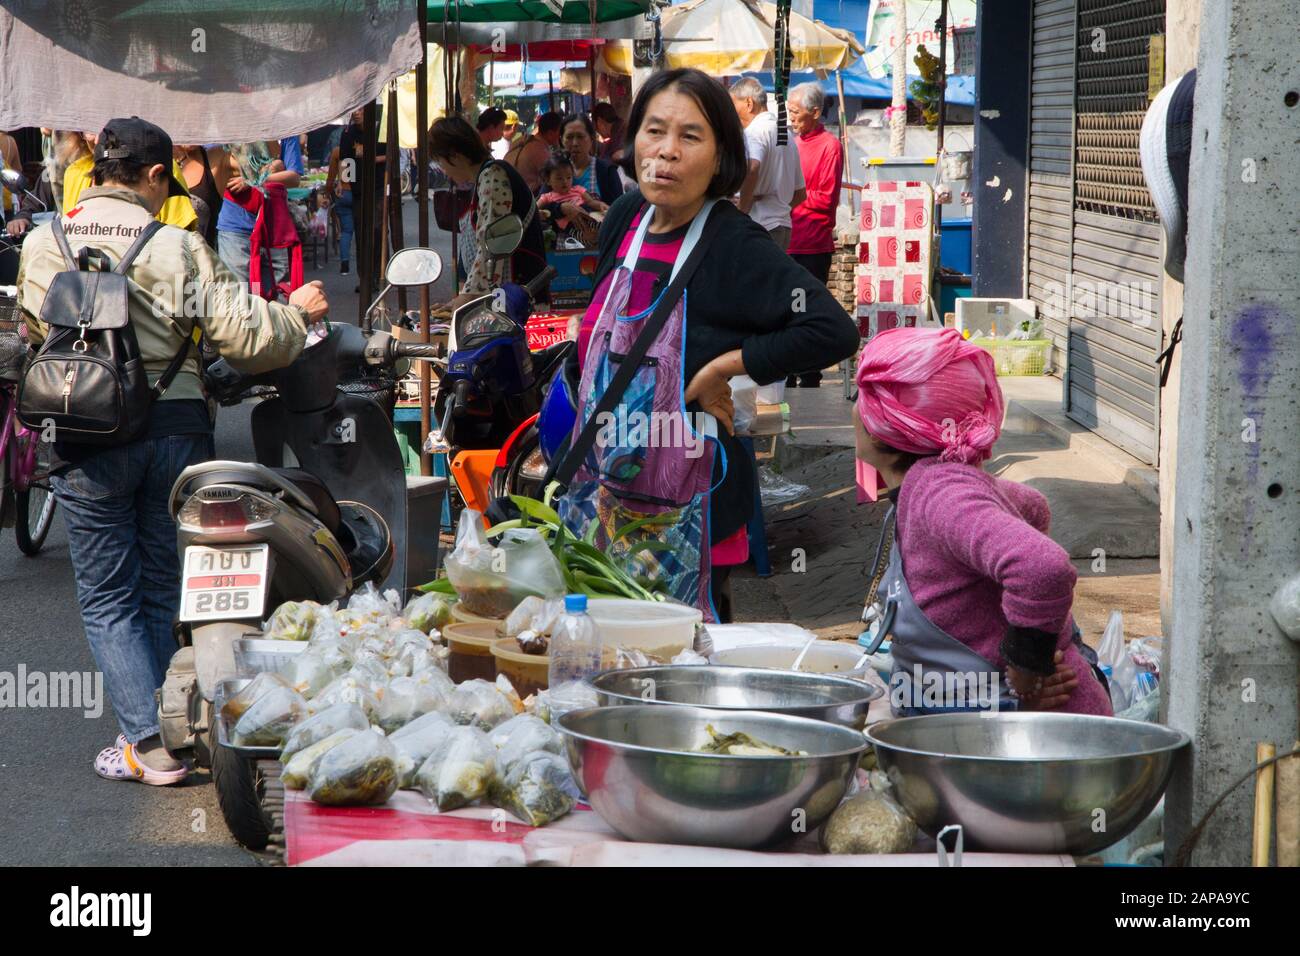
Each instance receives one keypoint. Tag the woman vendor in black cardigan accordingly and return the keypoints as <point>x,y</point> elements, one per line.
<point>748,308</point>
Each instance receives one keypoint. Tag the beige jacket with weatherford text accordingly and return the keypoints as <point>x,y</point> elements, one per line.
<point>177,283</point>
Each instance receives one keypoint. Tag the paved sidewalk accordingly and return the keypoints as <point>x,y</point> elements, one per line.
<point>820,544</point>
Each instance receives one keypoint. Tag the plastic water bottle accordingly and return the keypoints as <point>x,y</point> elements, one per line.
<point>575,652</point>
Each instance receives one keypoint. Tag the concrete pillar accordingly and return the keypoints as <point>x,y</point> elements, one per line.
<point>1000,177</point>
<point>1182,18</point>
<point>1232,673</point>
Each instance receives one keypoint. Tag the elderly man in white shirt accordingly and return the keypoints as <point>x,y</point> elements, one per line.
<point>775,183</point>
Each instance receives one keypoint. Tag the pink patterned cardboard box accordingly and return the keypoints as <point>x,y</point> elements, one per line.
<point>894,250</point>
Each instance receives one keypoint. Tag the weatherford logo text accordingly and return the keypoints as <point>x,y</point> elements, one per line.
<point>76,909</point>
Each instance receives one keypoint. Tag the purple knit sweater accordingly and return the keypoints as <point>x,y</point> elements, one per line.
<point>977,556</point>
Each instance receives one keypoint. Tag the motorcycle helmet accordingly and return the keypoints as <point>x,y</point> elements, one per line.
<point>1165,148</point>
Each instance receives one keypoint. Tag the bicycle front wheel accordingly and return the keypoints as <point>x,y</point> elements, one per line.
<point>35,507</point>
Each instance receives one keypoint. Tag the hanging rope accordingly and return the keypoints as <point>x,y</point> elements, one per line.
<point>782,63</point>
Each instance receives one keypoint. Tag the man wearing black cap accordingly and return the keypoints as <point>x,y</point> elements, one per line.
<point>120,532</point>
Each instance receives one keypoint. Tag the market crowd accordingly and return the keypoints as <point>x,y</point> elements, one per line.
<point>694,200</point>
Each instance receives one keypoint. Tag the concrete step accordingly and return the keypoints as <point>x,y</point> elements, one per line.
<point>1034,405</point>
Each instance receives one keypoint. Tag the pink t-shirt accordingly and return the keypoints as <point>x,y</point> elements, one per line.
<point>649,277</point>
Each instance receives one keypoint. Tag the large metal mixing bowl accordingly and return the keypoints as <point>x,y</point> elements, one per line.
<point>839,700</point>
<point>634,765</point>
<point>1028,782</point>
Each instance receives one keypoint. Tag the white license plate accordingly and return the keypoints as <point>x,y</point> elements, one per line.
<point>221,584</point>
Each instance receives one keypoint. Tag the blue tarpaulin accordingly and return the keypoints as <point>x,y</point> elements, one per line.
<point>857,83</point>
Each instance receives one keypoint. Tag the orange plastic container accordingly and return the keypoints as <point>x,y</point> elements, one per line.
<point>527,672</point>
<point>471,651</point>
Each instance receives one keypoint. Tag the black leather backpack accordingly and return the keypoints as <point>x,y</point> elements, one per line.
<point>88,380</point>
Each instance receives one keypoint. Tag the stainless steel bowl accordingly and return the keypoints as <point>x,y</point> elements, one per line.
<point>634,765</point>
<point>1028,782</point>
<point>840,700</point>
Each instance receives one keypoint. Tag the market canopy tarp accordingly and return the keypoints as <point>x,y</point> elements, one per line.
<point>921,17</point>
<point>730,37</point>
<point>204,70</point>
<point>538,11</point>
<point>858,82</point>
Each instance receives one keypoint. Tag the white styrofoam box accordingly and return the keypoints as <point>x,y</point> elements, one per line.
<point>986,315</point>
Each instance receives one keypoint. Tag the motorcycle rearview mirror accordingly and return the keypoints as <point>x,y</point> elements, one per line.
<point>502,236</point>
<point>413,267</point>
<point>13,180</point>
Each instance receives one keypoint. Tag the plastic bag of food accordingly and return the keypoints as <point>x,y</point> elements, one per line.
<point>491,581</point>
<point>539,790</point>
<point>308,673</point>
<point>416,660</point>
<point>532,622</point>
<point>369,605</point>
<point>459,770</point>
<point>297,769</point>
<point>348,689</point>
<point>292,621</point>
<point>319,726</point>
<point>270,718</point>
<point>415,742</point>
<point>480,704</point>
<point>427,613</point>
<point>871,822</point>
<point>520,737</point>
<point>234,708</point>
<point>547,704</point>
<point>407,698</point>
<point>359,772</point>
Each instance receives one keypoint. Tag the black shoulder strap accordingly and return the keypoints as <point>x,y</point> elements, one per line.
<point>146,234</point>
<point>62,240</point>
<point>628,364</point>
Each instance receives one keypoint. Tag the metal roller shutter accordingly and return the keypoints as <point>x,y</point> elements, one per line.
<point>1114,330</point>
<point>1051,146</point>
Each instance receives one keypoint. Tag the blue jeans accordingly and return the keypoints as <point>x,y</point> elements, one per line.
<point>343,206</point>
<point>122,541</point>
<point>235,250</point>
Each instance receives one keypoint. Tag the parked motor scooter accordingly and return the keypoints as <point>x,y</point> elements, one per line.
<point>492,388</point>
<point>322,512</point>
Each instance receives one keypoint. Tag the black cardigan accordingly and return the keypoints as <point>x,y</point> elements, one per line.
<point>745,294</point>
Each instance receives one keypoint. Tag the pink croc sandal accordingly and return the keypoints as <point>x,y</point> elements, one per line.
<point>114,764</point>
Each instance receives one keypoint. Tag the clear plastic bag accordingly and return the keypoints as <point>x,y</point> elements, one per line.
<point>535,614</point>
<point>359,772</point>
<point>270,718</point>
<point>491,581</point>
<point>777,489</point>
<point>479,703</point>
<point>407,698</point>
<point>415,742</point>
<point>521,736</point>
<point>309,672</point>
<point>348,689</point>
<point>369,604</point>
<point>411,661</point>
<point>870,822</point>
<point>321,725</point>
<point>459,770</point>
<point>744,398</point>
<point>234,708</point>
<point>539,789</point>
<point>298,769</point>
<point>292,621</point>
<point>427,613</point>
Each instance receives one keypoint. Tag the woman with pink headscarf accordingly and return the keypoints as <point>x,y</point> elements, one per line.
<point>982,617</point>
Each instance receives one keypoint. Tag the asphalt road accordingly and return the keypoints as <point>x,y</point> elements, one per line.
<point>54,810</point>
